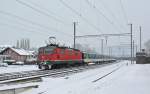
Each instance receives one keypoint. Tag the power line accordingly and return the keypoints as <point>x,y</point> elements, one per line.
<point>16,27</point>
<point>31,22</point>
<point>24,25</point>
<point>111,13</point>
<point>104,35</point>
<point>23,19</point>
<point>77,13</point>
<point>48,11</point>
<point>39,11</point>
<point>25,29</point>
<point>123,10</point>
<point>101,13</point>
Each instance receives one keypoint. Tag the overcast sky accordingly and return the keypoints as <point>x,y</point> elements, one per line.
<point>56,18</point>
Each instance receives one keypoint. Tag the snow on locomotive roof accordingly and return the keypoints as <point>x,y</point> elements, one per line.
<point>58,46</point>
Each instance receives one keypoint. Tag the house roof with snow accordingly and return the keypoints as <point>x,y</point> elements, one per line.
<point>22,51</point>
<point>3,47</point>
<point>19,51</point>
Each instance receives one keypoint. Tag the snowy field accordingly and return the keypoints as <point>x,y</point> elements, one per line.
<point>128,79</point>
<point>17,68</point>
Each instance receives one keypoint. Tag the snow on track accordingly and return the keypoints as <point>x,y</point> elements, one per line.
<point>80,83</point>
<point>18,68</point>
<point>134,79</point>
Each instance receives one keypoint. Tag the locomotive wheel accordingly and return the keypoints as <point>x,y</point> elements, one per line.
<point>43,67</point>
<point>49,66</point>
<point>39,66</point>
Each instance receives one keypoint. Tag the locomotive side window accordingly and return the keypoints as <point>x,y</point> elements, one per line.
<point>40,51</point>
<point>62,51</point>
<point>55,51</point>
<point>48,50</point>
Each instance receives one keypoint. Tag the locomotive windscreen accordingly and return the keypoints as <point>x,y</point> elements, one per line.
<point>46,50</point>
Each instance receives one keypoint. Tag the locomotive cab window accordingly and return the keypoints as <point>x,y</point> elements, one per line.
<point>48,50</point>
<point>40,51</point>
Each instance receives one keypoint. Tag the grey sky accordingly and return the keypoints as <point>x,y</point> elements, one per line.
<point>59,22</point>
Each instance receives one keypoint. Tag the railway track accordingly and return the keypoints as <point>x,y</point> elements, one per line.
<point>14,76</point>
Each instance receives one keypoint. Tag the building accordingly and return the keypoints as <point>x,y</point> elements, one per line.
<point>2,47</point>
<point>4,57</point>
<point>16,55</point>
<point>142,57</point>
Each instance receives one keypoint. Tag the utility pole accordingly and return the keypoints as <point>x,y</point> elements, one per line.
<point>131,41</point>
<point>110,52</point>
<point>140,39</point>
<point>106,47</point>
<point>133,52</point>
<point>102,47</point>
<point>136,47</point>
<point>123,52</point>
<point>74,42</point>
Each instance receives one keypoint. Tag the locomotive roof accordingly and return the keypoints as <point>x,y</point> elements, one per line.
<point>57,46</point>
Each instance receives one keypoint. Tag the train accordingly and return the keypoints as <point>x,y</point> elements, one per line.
<point>52,56</point>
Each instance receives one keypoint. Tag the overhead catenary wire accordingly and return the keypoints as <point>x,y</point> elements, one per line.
<point>13,26</point>
<point>31,22</point>
<point>20,28</point>
<point>26,27</point>
<point>48,11</point>
<point>112,14</point>
<point>106,18</point>
<point>102,14</point>
<point>41,12</point>
<point>74,11</point>
<point>83,18</point>
<point>25,20</point>
<point>124,12</point>
<point>19,24</point>
<point>104,35</point>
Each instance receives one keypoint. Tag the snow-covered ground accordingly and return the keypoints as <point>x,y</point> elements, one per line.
<point>128,79</point>
<point>17,68</point>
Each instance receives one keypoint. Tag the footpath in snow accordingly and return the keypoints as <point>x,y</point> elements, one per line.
<point>126,79</point>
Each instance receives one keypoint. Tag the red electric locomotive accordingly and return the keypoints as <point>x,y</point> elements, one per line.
<point>53,55</point>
